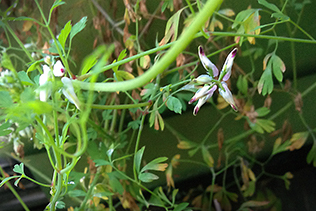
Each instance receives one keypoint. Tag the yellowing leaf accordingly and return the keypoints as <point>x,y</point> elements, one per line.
<point>227,12</point>
<point>27,25</point>
<point>186,145</point>
<point>297,141</point>
<point>207,157</point>
<point>171,31</point>
<point>144,62</point>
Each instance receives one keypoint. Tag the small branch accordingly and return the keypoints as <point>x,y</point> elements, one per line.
<point>107,17</point>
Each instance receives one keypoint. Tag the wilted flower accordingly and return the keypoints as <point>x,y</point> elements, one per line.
<point>69,92</point>
<point>211,84</point>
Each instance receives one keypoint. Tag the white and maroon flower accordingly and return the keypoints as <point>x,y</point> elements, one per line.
<point>211,83</point>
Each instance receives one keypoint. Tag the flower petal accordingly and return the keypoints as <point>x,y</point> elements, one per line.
<point>202,92</point>
<point>227,67</point>
<point>203,79</point>
<point>227,95</point>
<point>201,102</point>
<point>207,64</point>
<point>59,69</point>
<point>69,92</point>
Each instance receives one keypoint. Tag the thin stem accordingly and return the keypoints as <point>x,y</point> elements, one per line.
<point>17,196</point>
<point>137,144</point>
<point>118,107</point>
<point>89,193</point>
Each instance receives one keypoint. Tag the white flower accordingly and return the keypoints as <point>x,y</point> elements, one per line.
<point>69,92</point>
<point>59,69</point>
<point>45,83</point>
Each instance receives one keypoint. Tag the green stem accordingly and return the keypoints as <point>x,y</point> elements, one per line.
<point>17,196</point>
<point>137,144</point>
<point>89,193</point>
<point>165,61</point>
<point>56,195</point>
<point>270,37</point>
<point>118,107</point>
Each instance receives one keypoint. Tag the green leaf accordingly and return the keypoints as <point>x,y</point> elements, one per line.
<point>19,168</point>
<point>53,48</point>
<point>25,78</point>
<point>88,63</point>
<point>174,104</point>
<point>60,205</point>
<point>269,5</point>
<point>147,177</point>
<point>265,85</point>
<point>64,34</point>
<point>262,111</point>
<point>242,84</point>
<point>278,67</point>
<point>280,16</point>
<point>138,159</point>
<point>311,156</point>
<point>156,165</point>
<point>115,183</point>
<point>120,57</point>
<point>39,107</point>
<point>33,66</point>
<point>242,16</point>
<point>77,193</point>
<point>207,157</point>
<point>56,4</point>
<point>78,27</point>
<point>250,189</point>
<point>265,124</point>
<point>101,162</point>
<point>6,62</point>
<point>180,207</point>
<point>92,59</point>
<point>6,100</point>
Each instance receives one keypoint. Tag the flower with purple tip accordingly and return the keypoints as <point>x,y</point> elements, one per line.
<point>211,83</point>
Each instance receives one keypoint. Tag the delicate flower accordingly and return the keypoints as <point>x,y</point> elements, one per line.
<point>46,89</point>
<point>59,69</point>
<point>211,84</point>
<point>69,92</point>
<point>43,81</point>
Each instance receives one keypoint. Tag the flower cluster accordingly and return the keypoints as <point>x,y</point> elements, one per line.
<point>211,83</point>
<point>46,84</point>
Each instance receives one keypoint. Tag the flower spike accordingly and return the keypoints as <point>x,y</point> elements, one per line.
<point>207,64</point>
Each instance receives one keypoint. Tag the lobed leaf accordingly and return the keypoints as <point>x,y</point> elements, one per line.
<point>78,27</point>
<point>174,104</point>
<point>19,168</point>
<point>64,34</point>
